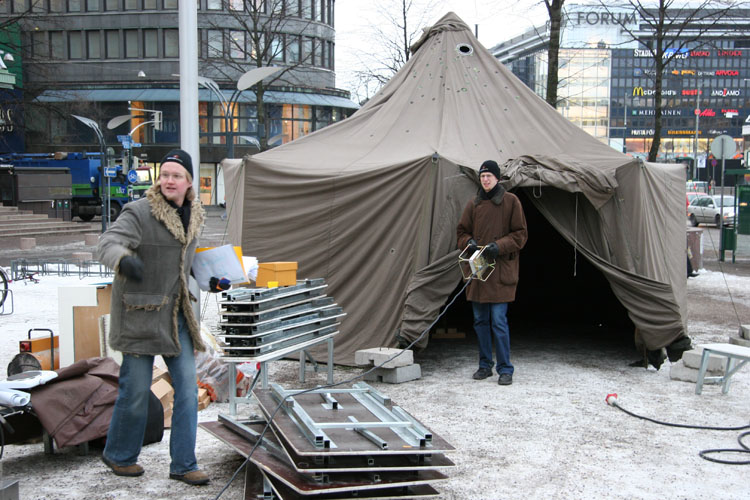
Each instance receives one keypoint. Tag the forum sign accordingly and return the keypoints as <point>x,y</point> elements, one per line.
<point>587,24</point>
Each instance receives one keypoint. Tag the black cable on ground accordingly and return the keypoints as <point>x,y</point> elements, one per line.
<point>704,454</point>
<point>336,384</point>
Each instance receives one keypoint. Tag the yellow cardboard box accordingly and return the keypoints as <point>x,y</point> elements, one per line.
<point>283,272</point>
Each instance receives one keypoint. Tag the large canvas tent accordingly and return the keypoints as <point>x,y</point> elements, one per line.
<point>371,203</point>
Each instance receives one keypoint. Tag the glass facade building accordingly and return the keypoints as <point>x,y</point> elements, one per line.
<point>106,58</point>
<point>606,81</point>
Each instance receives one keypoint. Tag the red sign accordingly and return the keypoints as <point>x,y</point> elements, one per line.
<point>691,92</point>
<point>727,72</point>
<point>708,112</point>
<point>699,53</point>
<point>730,111</point>
<point>729,53</point>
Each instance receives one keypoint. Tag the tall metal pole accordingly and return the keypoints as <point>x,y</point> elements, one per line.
<point>189,132</point>
<point>694,170</point>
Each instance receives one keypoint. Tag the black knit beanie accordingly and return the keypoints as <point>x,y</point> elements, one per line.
<point>491,167</point>
<point>181,157</point>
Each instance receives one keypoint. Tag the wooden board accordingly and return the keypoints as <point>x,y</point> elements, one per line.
<point>346,442</point>
<point>86,325</point>
<point>306,484</point>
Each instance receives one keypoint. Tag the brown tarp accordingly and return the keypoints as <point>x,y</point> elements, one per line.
<point>371,203</point>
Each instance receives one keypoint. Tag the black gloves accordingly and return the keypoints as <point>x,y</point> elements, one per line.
<point>218,285</point>
<point>491,251</point>
<point>473,246</point>
<point>132,268</point>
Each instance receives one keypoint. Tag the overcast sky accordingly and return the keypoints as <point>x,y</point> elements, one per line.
<point>498,20</point>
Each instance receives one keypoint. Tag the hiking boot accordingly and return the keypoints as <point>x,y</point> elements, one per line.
<point>194,477</point>
<point>482,373</point>
<point>505,379</point>
<point>123,470</point>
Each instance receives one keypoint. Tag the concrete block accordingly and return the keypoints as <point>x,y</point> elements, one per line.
<point>82,256</point>
<point>396,375</point>
<point>692,359</point>
<point>739,341</point>
<point>745,331</point>
<point>28,243</point>
<point>91,239</point>
<point>378,355</point>
<point>678,371</point>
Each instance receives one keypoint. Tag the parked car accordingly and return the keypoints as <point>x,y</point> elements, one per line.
<point>706,209</point>
<point>698,186</point>
<point>690,196</point>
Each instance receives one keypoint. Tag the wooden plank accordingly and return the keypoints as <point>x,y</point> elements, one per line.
<point>307,484</point>
<point>86,325</point>
<point>347,442</point>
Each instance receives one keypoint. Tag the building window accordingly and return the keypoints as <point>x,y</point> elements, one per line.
<point>170,4</point>
<point>277,7</point>
<point>331,57</point>
<point>38,6</point>
<point>92,5</point>
<point>56,44</point>
<point>292,8</point>
<point>112,39</point>
<point>131,44</point>
<point>322,59</point>
<point>214,43</point>
<point>56,5</point>
<point>111,4</point>
<point>40,44</point>
<point>75,47</point>
<point>237,5</point>
<point>131,5</point>
<point>94,45</point>
<point>320,11</point>
<point>171,43</point>
<point>19,6</point>
<point>150,5</point>
<point>277,47</point>
<point>307,10</point>
<point>258,5</point>
<point>74,5</point>
<point>237,44</point>
<point>213,4</point>
<point>308,56</point>
<point>150,43</point>
<point>292,49</point>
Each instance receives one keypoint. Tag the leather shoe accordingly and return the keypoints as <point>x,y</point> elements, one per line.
<point>194,477</point>
<point>123,470</point>
<point>482,373</point>
<point>505,379</point>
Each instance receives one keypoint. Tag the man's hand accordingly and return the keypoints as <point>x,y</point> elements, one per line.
<point>219,285</point>
<point>472,246</point>
<point>132,268</point>
<point>491,251</point>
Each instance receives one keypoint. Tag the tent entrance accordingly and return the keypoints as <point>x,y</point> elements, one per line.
<point>558,296</point>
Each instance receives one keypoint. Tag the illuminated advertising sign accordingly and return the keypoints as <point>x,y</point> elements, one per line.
<point>699,53</point>
<point>641,92</point>
<point>651,112</point>
<point>642,132</point>
<point>735,111</point>
<point>725,92</point>
<point>706,112</point>
<point>729,53</point>
<point>682,132</point>
<point>681,53</point>
<point>727,72</point>
<point>690,92</point>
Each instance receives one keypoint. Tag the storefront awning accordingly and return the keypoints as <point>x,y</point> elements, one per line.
<point>173,95</point>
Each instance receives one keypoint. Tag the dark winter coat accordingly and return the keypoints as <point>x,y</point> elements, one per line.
<point>144,314</point>
<point>501,220</point>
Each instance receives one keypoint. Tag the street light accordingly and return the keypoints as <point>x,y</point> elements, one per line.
<point>246,81</point>
<point>103,150</point>
<point>156,119</point>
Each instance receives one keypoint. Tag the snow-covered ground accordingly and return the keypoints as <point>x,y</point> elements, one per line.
<point>549,435</point>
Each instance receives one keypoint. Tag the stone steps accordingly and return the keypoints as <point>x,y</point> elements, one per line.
<point>51,228</point>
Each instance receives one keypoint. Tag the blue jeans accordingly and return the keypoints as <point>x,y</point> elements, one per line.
<point>128,424</point>
<point>491,323</point>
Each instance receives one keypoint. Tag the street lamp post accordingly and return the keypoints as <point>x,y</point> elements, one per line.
<point>228,106</point>
<point>103,149</point>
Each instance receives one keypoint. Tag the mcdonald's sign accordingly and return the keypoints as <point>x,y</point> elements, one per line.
<point>638,91</point>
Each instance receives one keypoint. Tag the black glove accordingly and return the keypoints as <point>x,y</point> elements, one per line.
<point>472,246</point>
<point>132,268</point>
<point>219,285</point>
<point>491,251</point>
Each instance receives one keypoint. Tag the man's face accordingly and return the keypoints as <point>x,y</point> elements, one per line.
<point>174,182</point>
<point>488,181</point>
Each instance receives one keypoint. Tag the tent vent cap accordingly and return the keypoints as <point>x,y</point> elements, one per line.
<point>465,49</point>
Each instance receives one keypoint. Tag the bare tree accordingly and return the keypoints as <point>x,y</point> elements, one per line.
<point>555,11</point>
<point>260,33</point>
<point>671,28</point>
<point>396,26</point>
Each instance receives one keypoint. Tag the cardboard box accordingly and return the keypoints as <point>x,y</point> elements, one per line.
<point>159,374</point>
<point>283,272</point>
<point>168,418</point>
<point>164,391</point>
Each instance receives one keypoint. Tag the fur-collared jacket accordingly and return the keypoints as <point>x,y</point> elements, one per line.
<point>499,219</point>
<point>144,315</point>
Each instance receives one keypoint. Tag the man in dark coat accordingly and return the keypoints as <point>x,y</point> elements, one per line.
<point>151,248</point>
<point>495,219</point>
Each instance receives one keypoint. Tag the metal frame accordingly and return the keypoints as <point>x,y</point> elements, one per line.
<point>733,353</point>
